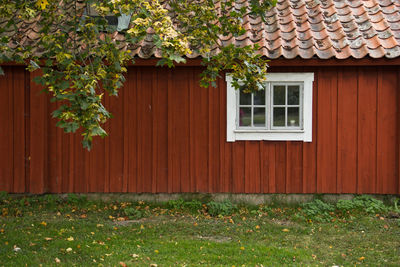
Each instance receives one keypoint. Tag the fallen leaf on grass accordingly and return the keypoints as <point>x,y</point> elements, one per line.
<point>285,230</point>
<point>57,260</point>
<point>241,248</point>
<point>135,255</point>
<point>43,223</point>
<point>386,226</point>
<point>123,264</point>
<point>48,238</point>
<point>361,258</point>
<point>68,250</point>
<point>70,238</point>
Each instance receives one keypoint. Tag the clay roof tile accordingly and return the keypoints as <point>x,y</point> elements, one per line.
<point>294,28</point>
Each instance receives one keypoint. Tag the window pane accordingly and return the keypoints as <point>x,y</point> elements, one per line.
<point>259,97</point>
<point>245,117</point>
<point>245,99</point>
<point>293,95</point>
<point>259,117</point>
<point>279,95</point>
<point>293,117</point>
<point>279,117</point>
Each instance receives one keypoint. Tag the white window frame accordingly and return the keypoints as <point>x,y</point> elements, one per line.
<point>303,133</point>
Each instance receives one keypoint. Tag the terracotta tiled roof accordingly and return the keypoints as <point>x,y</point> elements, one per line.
<point>312,29</point>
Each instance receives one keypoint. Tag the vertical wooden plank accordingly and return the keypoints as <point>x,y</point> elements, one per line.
<point>107,149</point>
<point>60,157</point>
<point>71,167</point>
<point>267,167</point>
<point>327,129</point>
<point>367,99</point>
<point>38,140</point>
<point>180,109</point>
<point>27,113</point>
<point>144,130</point>
<point>79,158</point>
<point>19,130</point>
<point>192,124</point>
<point>201,140</point>
<point>96,177</point>
<point>294,167</point>
<point>310,159</point>
<point>264,167</point>
<point>132,127</point>
<point>271,167</point>
<point>280,167</point>
<point>65,148</point>
<point>171,122</point>
<point>252,167</point>
<point>160,132</point>
<point>154,121</point>
<point>53,155</point>
<point>398,130</point>
<point>6,133</point>
<point>347,131</point>
<point>225,147</point>
<point>116,136</point>
<point>127,117</point>
<point>213,131</point>
<point>387,136</point>
<point>238,174</point>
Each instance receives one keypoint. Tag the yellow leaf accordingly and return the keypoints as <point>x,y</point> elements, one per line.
<point>42,4</point>
<point>257,227</point>
<point>43,223</point>
<point>70,238</point>
<point>361,258</point>
<point>285,230</point>
<point>141,226</point>
<point>156,251</point>
<point>241,248</point>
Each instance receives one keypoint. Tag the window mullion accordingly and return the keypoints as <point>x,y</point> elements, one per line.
<point>286,105</point>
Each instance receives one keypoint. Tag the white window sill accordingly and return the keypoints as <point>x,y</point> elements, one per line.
<point>240,135</point>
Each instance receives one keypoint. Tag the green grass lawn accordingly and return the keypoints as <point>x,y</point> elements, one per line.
<point>54,232</point>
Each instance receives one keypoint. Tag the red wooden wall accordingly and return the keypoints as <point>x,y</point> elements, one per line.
<point>168,135</point>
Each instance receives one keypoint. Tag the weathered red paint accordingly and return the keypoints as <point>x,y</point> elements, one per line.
<point>168,135</point>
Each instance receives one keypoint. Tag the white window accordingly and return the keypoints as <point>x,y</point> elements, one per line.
<point>283,111</point>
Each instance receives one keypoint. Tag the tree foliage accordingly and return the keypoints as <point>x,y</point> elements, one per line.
<point>80,59</point>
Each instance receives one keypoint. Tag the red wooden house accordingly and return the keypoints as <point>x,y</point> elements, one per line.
<point>329,121</point>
